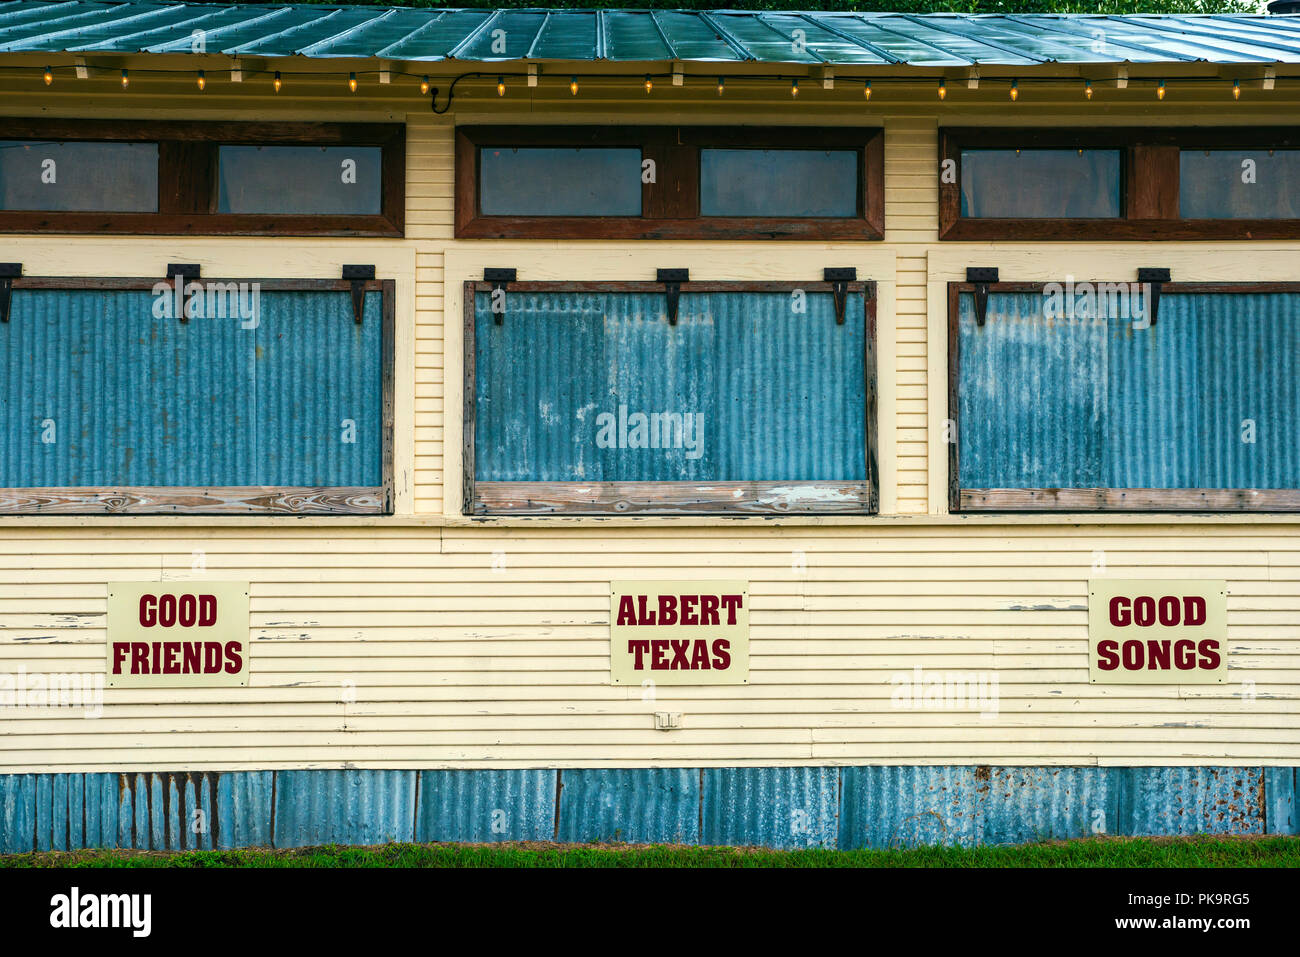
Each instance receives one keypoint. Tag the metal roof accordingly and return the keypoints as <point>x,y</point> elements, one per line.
<point>485,36</point>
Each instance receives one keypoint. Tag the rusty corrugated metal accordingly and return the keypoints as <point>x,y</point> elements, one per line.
<point>129,399</point>
<point>956,39</point>
<point>493,805</point>
<point>343,807</point>
<point>1208,397</point>
<point>633,805</point>
<point>749,364</point>
<point>771,807</point>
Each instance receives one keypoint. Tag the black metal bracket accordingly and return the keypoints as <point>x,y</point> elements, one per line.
<point>358,276</point>
<point>839,280</point>
<point>180,275</point>
<point>1155,278</point>
<point>499,278</point>
<point>8,273</point>
<point>672,280</point>
<point>982,277</point>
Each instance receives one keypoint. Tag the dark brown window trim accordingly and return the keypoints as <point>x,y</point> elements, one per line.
<point>1149,183</point>
<point>187,158</point>
<point>967,500</point>
<point>670,207</point>
<point>735,499</point>
<point>227,500</point>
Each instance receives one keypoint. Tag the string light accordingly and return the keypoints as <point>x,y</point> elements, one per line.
<point>352,82</point>
<point>203,82</point>
<point>1087,89</point>
<point>649,84</point>
<point>573,85</point>
<point>1015,90</point>
<point>722,85</point>
<point>276,82</point>
<point>943,89</point>
<point>1160,91</point>
<point>424,86</point>
<point>49,76</point>
<point>794,87</point>
<point>126,80</point>
<point>866,91</point>
<point>501,86</point>
<point>1236,89</point>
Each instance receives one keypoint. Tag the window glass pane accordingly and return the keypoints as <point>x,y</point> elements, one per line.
<point>576,387</point>
<point>79,177</point>
<point>778,183</point>
<point>255,389</point>
<point>1239,184</point>
<point>1040,184</point>
<point>1093,396</point>
<point>300,180</point>
<point>559,182</point>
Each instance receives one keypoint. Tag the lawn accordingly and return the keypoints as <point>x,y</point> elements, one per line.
<point>1091,852</point>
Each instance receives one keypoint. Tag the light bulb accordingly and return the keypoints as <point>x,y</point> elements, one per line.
<point>276,82</point>
<point>794,87</point>
<point>943,89</point>
<point>49,76</point>
<point>573,85</point>
<point>352,82</point>
<point>1160,91</point>
<point>501,86</point>
<point>722,85</point>
<point>424,86</point>
<point>203,82</point>
<point>1236,89</point>
<point>1087,89</point>
<point>1015,90</point>
<point>866,91</point>
<point>649,84</point>
<point>126,80</point>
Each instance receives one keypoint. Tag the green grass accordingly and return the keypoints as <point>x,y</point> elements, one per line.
<point>1092,852</point>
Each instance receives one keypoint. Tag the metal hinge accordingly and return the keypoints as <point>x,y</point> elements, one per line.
<point>1155,278</point>
<point>839,280</point>
<point>672,280</point>
<point>180,275</point>
<point>358,276</point>
<point>8,273</point>
<point>499,278</point>
<point>982,277</point>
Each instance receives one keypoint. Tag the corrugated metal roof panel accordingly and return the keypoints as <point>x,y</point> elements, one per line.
<point>949,39</point>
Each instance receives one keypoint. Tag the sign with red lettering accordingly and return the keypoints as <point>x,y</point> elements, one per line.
<point>1157,631</point>
<point>190,634</point>
<point>679,632</point>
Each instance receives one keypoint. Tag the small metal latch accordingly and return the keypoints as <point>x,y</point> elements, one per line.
<point>8,273</point>
<point>1156,278</point>
<point>180,275</point>
<point>839,280</point>
<point>358,276</point>
<point>672,280</point>
<point>499,278</point>
<point>981,276</point>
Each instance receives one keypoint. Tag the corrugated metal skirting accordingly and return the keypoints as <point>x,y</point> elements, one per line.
<point>801,807</point>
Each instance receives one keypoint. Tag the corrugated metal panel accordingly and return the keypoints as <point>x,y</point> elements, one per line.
<point>634,805</point>
<point>494,805</point>
<point>744,362</point>
<point>345,807</point>
<point>771,807</point>
<point>139,400</point>
<point>915,805</point>
<point>1213,800</point>
<point>1209,397</point>
<point>701,36</point>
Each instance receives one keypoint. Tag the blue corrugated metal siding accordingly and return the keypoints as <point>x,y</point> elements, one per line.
<point>139,400</point>
<point>1209,397</point>
<point>746,362</point>
<point>771,807</point>
<point>635,805</point>
<point>830,807</point>
<point>641,35</point>
<point>479,806</point>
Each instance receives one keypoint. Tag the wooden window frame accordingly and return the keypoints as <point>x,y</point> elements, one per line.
<point>188,182</point>
<point>733,499</point>
<point>963,500</point>
<point>670,206</point>
<point>235,499</point>
<point>1149,183</point>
